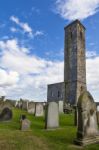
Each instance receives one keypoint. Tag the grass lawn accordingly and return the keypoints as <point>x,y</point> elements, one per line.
<point>11,138</point>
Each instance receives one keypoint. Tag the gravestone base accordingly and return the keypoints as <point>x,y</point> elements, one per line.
<point>87,141</point>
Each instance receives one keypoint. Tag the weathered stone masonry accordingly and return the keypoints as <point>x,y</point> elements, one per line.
<point>74,66</point>
<point>74,61</point>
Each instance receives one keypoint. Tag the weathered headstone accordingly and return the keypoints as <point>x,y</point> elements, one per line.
<point>52,115</point>
<point>39,109</point>
<point>6,114</point>
<point>61,107</point>
<point>14,103</point>
<point>25,123</point>
<point>2,98</point>
<point>98,117</point>
<point>31,107</point>
<point>5,111</point>
<point>98,114</point>
<point>25,104</point>
<point>19,104</point>
<point>87,132</point>
<point>67,108</point>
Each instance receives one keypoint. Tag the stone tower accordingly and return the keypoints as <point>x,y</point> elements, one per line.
<point>74,61</point>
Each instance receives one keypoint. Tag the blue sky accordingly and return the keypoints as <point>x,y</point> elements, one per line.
<point>32,43</point>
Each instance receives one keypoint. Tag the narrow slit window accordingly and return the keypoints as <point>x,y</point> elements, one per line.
<point>58,94</point>
<point>81,36</point>
<point>51,94</point>
<point>71,35</point>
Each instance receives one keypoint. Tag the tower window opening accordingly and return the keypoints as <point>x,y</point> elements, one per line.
<point>81,36</point>
<point>71,35</point>
<point>52,94</point>
<point>58,94</point>
<point>82,88</point>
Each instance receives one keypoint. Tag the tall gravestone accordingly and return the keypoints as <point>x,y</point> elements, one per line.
<point>52,115</point>
<point>61,107</point>
<point>19,105</point>
<point>39,109</point>
<point>97,112</point>
<point>87,132</point>
<point>31,107</point>
<point>25,104</point>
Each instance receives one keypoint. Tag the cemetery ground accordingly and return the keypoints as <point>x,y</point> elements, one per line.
<point>37,138</point>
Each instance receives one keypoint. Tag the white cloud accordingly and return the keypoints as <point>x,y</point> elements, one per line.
<point>8,78</point>
<point>15,19</point>
<point>13,29</point>
<point>12,46</point>
<point>91,54</point>
<point>76,9</point>
<point>2,92</point>
<point>93,76</point>
<point>24,75</point>
<point>38,33</point>
<point>25,26</point>
<point>34,72</point>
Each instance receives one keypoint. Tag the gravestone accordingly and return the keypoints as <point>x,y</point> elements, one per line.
<point>31,107</point>
<point>2,98</point>
<point>67,108</point>
<point>14,103</point>
<point>25,123</point>
<point>25,104</point>
<point>52,115</point>
<point>39,109</point>
<point>98,117</point>
<point>97,112</point>
<point>6,114</point>
<point>5,110</point>
<point>19,104</point>
<point>87,132</point>
<point>61,107</point>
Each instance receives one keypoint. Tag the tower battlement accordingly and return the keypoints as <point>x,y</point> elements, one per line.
<point>75,22</point>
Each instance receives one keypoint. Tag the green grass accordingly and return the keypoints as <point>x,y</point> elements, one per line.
<point>11,138</point>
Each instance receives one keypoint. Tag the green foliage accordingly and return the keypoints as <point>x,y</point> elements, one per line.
<point>11,138</point>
